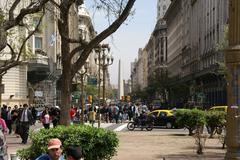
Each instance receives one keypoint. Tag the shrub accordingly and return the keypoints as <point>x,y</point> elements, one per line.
<point>96,143</point>
<point>215,119</point>
<point>190,119</point>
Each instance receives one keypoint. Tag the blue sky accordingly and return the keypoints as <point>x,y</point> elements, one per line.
<point>129,37</point>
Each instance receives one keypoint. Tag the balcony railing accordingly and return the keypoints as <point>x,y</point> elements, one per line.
<point>40,57</point>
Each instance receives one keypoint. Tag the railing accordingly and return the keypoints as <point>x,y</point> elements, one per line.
<point>40,57</point>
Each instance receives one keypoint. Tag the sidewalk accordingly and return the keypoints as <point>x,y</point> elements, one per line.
<point>143,145</point>
<point>14,144</point>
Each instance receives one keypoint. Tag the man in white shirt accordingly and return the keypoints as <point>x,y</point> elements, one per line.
<point>26,119</point>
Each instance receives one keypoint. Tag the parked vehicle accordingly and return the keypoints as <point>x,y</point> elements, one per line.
<point>164,118</point>
<point>219,108</point>
<point>139,122</point>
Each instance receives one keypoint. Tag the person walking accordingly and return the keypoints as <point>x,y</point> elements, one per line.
<point>3,126</point>
<point>92,116</point>
<point>9,120</point>
<point>45,118</point>
<point>25,119</point>
<point>34,114</point>
<point>54,151</point>
<point>14,114</point>
<point>55,114</point>
<point>73,153</point>
<point>3,143</point>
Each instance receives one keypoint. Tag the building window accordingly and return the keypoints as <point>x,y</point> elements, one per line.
<point>35,21</point>
<point>164,7</point>
<point>38,42</point>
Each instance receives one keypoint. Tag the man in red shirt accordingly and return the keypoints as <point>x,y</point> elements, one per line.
<point>72,113</point>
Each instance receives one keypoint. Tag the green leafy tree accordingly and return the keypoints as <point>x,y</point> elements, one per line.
<point>190,119</point>
<point>215,119</point>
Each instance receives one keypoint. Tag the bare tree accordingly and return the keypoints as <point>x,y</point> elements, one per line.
<point>119,8</point>
<point>70,68</point>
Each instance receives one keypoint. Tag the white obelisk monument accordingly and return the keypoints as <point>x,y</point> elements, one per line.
<point>120,81</point>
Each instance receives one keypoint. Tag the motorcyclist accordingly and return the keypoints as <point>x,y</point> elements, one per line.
<point>142,119</point>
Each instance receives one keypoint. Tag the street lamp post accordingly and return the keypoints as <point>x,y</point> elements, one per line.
<point>82,73</point>
<point>103,59</point>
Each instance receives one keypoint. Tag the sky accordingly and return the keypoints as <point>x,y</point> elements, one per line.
<point>131,36</point>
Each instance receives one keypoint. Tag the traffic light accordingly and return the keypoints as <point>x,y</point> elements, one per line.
<point>89,99</point>
<point>123,98</point>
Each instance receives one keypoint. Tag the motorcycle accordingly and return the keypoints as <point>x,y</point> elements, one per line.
<point>142,123</point>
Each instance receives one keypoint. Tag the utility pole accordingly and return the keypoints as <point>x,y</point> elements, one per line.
<point>232,57</point>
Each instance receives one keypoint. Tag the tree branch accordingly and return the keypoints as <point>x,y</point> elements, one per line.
<point>13,61</point>
<point>13,7</point>
<point>104,34</point>
<point>30,35</point>
<point>23,12</point>
<point>3,69</point>
<point>13,53</point>
<point>69,40</point>
<point>54,3</point>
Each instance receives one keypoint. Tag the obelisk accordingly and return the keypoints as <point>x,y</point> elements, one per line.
<point>120,81</point>
<point>232,57</point>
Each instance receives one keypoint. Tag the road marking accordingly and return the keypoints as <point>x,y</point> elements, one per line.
<point>120,127</point>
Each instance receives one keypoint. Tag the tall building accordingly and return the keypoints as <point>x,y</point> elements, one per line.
<point>174,18</point>
<point>134,76</point>
<point>196,32</point>
<point>162,6</point>
<point>127,87</point>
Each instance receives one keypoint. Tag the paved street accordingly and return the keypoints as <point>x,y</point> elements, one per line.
<point>143,145</point>
<point>173,144</point>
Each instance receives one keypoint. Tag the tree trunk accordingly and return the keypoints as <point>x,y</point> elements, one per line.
<point>66,78</point>
<point>65,96</point>
<point>190,131</point>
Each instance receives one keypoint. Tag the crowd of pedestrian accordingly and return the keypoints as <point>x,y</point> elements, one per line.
<point>111,113</point>
<point>18,119</point>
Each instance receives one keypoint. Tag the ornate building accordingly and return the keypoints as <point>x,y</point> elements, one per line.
<point>35,80</point>
<point>196,32</point>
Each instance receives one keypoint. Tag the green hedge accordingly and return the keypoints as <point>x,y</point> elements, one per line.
<point>190,119</point>
<point>97,143</point>
<point>215,119</point>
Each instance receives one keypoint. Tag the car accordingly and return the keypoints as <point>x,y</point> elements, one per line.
<point>163,118</point>
<point>219,108</point>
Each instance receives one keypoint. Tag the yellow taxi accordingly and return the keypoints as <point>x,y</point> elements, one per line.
<point>163,118</point>
<point>219,108</point>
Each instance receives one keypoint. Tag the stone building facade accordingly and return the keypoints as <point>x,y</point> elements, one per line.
<point>35,80</point>
<point>195,38</point>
